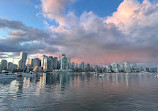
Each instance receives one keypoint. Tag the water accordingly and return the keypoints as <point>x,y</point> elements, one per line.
<point>80,92</point>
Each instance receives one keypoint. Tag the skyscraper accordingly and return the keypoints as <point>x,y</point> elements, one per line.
<point>88,67</point>
<point>22,61</point>
<point>44,63</point>
<point>3,64</point>
<point>126,67</point>
<point>50,65</point>
<point>64,62</point>
<point>69,62</point>
<point>10,66</point>
<point>35,62</point>
<point>73,66</point>
<point>82,66</point>
<point>115,67</point>
<point>55,63</point>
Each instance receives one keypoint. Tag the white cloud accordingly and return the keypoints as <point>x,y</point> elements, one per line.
<point>132,29</point>
<point>55,9</point>
<point>130,34</point>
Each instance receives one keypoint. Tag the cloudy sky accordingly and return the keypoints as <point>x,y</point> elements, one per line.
<point>96,31</point>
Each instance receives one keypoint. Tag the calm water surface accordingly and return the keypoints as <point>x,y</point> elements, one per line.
<point>80,92</point>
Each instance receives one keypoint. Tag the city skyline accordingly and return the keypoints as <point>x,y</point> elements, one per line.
<point>64,63</point>
<point>97,32</point>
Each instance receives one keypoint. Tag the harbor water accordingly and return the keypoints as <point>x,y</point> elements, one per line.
<point>80,92</point>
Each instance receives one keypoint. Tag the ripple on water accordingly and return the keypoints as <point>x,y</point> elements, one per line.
<point>80,92</point>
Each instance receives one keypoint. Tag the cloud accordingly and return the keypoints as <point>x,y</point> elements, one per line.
<point>23,38</point>
<point>5,23</point>
<point>55,10</point>
<point>130,34</point>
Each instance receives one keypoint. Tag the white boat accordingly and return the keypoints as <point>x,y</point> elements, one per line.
<point>30,74</point>
<point>101,75</point>
<point>7,75</point>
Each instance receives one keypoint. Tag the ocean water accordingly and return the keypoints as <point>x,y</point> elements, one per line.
<point>80,92</point>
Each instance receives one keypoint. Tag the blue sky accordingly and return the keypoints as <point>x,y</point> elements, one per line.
<point>26,11</point>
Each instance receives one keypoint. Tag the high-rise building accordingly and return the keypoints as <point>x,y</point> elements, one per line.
<point>42,60</point>
<point>126,67</point>
<point>3,64</point>
<point>82,66</point>
<point>10,66</point>
<point>44,63</point>
<point>115,67</point>
<point>36,62</point>
<point>47,63</point>
<point>23,56</point>
<point>15,67</point>
<point>88,67</point>
<point>69,62</point>
<point>64,62</point>
<point>109,68</point>
<point>50,63</point>
<point>73,66</point>
<point>22,61</point>
<point>76,66</point>
<point>55,63</point>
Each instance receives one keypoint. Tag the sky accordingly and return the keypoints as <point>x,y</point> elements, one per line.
<point>94,31</point>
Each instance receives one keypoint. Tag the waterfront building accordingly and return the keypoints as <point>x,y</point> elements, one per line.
<point>22,61</point>
<point>55,63</point>
<point>42,60</point>
<point>45,63</point>
<point>115,67</point>
<point>88,67</point>
<point>64,62</point>
<point>15,66</point>
<point>3,64</point>
<point>134,68</point>
<point>73,65</point>
<point>35,62</point>
<point>153,69</point>
<point>126,67</point>
<point>109,68</point>
<point>82,66</point>
<point>76,67</point>
<point>69,62</point>
<point>50,63</point>
<point>10,66</point>
<point>58,65</point>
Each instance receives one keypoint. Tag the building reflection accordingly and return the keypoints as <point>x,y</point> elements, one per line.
<point>63,82</point>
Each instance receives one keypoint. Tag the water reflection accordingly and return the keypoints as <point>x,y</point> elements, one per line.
<point>56,90</point>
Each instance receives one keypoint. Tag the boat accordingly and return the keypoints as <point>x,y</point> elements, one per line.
<point>101,75</point>
<point>7,75</point>
<point>30,74</point>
